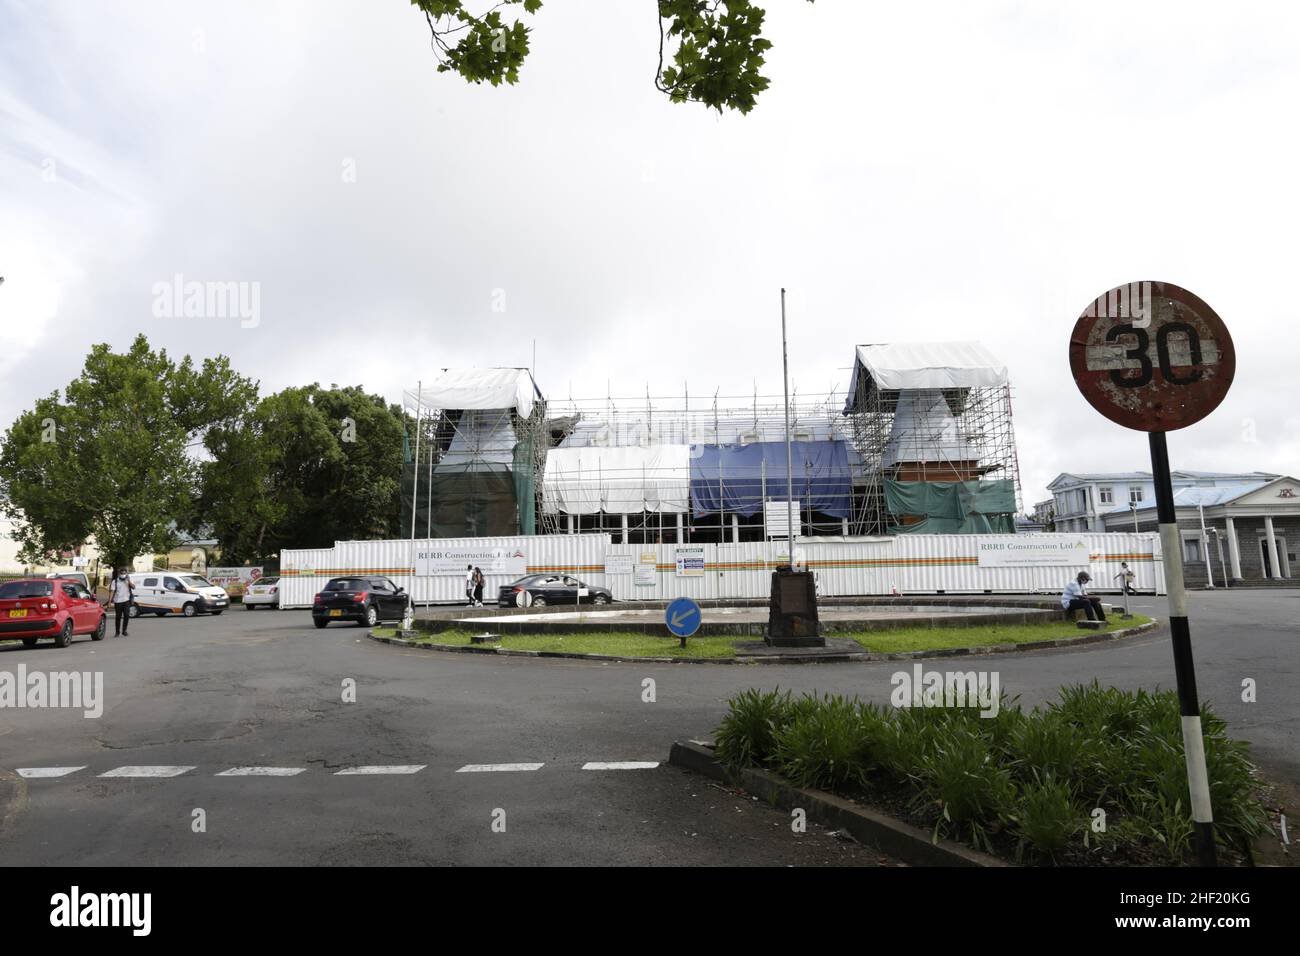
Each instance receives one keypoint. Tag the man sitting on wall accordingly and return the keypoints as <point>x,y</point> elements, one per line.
<point>1075,597</point>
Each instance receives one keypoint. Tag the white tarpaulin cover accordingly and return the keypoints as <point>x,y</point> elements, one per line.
<point>583,481</point>
<point>480,388</point>
<point>908,365</point>
<point>482,437</point>
<point>644,430</point>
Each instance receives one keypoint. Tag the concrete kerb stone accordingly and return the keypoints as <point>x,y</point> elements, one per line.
<point>898,839</point>
<point>864,657</point>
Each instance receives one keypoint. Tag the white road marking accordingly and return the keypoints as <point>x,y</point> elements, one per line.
<point>498,767</point>
<point>147,772</point>
<point>622,765</point>
<point>374,771</point>
<point>261,772</point>
<point>36,773</point>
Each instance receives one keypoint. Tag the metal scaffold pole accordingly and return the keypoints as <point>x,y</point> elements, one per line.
<point>789,459</point>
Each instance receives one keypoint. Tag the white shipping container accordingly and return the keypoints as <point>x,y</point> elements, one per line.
<point>911,564</point>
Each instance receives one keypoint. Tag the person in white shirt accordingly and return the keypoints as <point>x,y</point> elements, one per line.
<point>121,592</point>
<point>1125,578</point>
<point>1075,597</point>
<point>469,584</point>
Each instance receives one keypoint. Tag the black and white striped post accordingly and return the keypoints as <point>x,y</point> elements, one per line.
<point>1153,357</point>
<point>1189,706</point>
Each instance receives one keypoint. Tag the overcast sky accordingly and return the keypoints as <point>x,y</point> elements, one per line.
<point>917,172</point>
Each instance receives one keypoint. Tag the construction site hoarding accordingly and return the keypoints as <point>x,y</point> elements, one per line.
<point>848,566</point>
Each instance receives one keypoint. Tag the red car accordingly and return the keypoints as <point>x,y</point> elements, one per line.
<point>49,607</point>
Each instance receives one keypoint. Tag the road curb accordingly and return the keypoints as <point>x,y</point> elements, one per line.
<point>864,657</point>
<point>898,839</point>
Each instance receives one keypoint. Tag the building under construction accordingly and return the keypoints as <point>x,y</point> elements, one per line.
<point>921,442</point>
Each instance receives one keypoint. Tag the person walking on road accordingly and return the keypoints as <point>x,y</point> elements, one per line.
<point>1075,597</point>
<point>121,592</point>
<point>469,584</point>
<point>478,587</point>
<point>1125,578</point>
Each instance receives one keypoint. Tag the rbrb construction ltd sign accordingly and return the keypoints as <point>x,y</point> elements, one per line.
<point>448,561</point>
<point>1063,551</point>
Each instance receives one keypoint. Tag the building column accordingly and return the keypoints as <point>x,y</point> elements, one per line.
<point>735,529</point>
<point>625,527</point>
<point>1234,550</point>
<point>1272,547</point>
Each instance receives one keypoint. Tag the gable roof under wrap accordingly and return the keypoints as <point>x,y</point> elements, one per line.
<point>922,365</point>
<point>480,388</point>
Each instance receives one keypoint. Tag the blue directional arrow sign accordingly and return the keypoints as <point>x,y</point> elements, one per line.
<point>683,617</point>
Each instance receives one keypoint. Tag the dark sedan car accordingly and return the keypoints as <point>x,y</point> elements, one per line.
<point>365,600</point>
<point>545,589</point>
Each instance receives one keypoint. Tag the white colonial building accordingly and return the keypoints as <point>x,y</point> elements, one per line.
<point>1085,501</point>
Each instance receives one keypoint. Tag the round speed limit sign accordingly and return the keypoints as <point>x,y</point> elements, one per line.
<point>1152,356</point>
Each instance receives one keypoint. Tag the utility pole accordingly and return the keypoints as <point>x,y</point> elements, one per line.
<point>789,460</point>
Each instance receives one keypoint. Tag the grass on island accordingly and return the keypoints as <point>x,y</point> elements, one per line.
<point>901,639</point>
<point>625,644</point>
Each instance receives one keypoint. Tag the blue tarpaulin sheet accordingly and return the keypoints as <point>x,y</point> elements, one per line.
<point>735,478</point>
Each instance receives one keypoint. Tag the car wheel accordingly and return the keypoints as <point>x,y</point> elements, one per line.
<point>539,601</point>
<point>320,624</point>
<point>102,631</point>
<point>133,611</point>
<point>250,607</point>
<point>30,641</point>
<point>189,610</point>
<point>600,599</point>
<point>65,635</point>
<point>372,616</point>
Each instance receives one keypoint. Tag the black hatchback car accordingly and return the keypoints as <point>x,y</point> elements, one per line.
<point>365,600</point>
<point>552,589</point>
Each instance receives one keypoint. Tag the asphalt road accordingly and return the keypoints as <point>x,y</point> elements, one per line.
<point>265,689</point>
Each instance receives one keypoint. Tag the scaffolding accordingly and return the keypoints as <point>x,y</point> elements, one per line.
<point>473,471</point>
<point>920,441</point>
<point>683,468</point>
<point>932,426</point>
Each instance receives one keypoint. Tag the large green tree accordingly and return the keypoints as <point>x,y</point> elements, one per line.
<point>715,47</point>
<point>111,458</point>
<point>309,466</point>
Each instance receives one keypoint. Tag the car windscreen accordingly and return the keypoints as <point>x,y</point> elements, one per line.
<point>268,581</point>
<point>348,584</point>
<point>195,581</point>
<point>16,590</point>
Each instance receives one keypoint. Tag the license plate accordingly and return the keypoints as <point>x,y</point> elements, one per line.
<point>332,613</point>
<point>17,613</point>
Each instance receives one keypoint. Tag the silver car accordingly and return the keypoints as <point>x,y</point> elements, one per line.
<point>264,593</point>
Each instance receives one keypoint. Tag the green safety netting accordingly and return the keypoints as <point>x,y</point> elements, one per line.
<point>952,507</point>
<point>464,501</point>
<point>525,479</point>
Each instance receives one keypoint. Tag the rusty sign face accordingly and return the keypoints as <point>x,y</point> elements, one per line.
<point>1152,356</point>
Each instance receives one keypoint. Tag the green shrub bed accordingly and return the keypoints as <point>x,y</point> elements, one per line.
<point>1094,778</point>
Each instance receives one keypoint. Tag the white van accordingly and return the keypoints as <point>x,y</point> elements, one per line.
<point>176,592</point>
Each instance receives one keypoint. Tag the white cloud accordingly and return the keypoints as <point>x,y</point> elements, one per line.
<point>960,170</point>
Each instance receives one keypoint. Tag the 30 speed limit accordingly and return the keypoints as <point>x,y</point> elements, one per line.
<point>1151,356</point>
